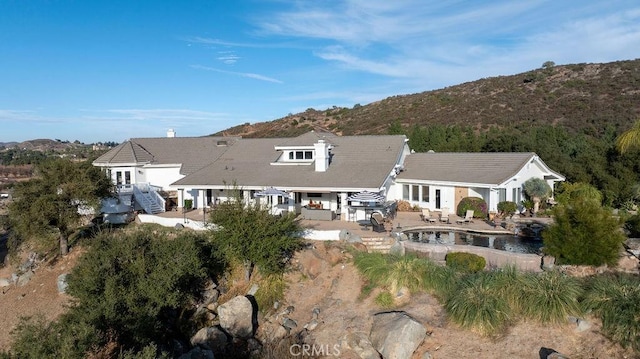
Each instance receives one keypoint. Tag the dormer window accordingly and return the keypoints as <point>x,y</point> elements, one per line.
<point>301,155</point>
<point>295,155</point>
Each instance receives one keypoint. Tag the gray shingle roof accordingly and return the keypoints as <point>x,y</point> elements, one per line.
<point>192,152</point>
<point>464,167</point>
<point>357,162</point>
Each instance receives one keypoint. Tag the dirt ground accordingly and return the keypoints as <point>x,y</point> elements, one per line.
<point>326,279</point>
<point>38,297</point>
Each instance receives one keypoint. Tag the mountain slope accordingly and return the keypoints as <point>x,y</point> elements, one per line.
<point>583,98</point>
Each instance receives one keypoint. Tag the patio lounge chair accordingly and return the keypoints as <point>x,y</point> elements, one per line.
<point>426,216</point>
<point>377,221</point>
<point>444,217</point>
<point>468,217</point>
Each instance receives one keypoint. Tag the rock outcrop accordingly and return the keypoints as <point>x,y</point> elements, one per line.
<point>396,335</point>
<point>237,317</point>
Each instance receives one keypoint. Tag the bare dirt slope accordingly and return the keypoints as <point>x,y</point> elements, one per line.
<point>37,297</point>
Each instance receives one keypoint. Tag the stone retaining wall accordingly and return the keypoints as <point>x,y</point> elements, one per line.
<point>495,258</point>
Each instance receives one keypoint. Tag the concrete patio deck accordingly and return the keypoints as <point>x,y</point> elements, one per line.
<point>403,220</point>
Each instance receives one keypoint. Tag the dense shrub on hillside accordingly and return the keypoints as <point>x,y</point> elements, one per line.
<point>632,225</point>
<point>507,208</point>
<point>477,204</point>
<point>250,234</point>
<point>583,233</point>
<point>132,292</point>
<point>467,262</point>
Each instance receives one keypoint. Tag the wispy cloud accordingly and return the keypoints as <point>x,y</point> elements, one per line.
<point>441,43</point>
<point>228,57</point>
<point>241,74</point>
<point>23,116</point>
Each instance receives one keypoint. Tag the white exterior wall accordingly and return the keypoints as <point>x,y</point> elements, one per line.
<point>160,176</point>
<point>131,170</point>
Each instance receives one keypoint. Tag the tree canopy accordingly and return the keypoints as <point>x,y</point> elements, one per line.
<point>46,207</point>
<point>249,233</point>
<point>629,139</point>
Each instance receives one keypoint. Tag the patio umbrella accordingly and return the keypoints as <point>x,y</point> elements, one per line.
<point>366,196</point>
<point>271,192</point>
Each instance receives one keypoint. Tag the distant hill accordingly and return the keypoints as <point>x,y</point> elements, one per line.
<point>584,98</point>
<point>43,145</point>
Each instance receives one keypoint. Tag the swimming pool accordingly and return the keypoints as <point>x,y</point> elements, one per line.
<point>505,242</point>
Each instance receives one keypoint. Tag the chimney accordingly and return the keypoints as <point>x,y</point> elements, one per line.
<point>321,155</point>
<point>171,133</point>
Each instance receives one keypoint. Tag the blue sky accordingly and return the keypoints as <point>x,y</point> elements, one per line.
<point>111,70</point>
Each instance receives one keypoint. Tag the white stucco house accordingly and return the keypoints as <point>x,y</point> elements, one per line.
<point>314,174</point>
<point>440,180</point>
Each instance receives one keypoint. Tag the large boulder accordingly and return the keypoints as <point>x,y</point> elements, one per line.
<point>359,343</point>
<point>210,337</point>
<point>396,335</point>
<point>237,317</point>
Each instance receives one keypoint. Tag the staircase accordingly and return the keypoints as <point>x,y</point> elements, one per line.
<point>148,198</point>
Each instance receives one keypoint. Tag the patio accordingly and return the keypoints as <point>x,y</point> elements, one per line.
<point>403,220</point>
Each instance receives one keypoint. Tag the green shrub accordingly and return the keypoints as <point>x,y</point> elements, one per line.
<point>252,235</point>
<point>131,284</point>
<point>392,272</point>
<point>632,225</point>
<point>466,262</point>
<point>385,300</point>
<point>476,204</point>
<point>439,280</point>
<point>374,266</point>
<point>616,299</point>
<point>475,304</point>
<point>507,208</point>
<point>67,337</point>
<point>550,297</point>
<point>271,289</point>
<point>188,203</point>
<point>583,233</point>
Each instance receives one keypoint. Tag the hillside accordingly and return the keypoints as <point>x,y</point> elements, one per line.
<point>584,98</point>
<point>43,145</point>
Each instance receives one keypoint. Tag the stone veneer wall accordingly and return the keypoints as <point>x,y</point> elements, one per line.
<point>495,258</point>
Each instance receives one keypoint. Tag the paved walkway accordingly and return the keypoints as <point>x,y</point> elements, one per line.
<point>403,220</point>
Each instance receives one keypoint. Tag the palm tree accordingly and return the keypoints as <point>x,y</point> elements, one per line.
<point>629,139</point>
<point>536,189</point>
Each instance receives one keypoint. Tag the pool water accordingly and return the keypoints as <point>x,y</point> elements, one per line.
<point>509,243</point>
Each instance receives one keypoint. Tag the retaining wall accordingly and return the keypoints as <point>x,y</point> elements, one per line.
<point>494,257</point>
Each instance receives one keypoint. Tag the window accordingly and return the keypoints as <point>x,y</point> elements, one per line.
<point>281,200</point>
<point>308,155</point>
<point>299,155</point>
<point>405,192</point>
<point>516,195</point>
<point>118,178</point>
<point>314,195</point>
<point>291,155</point>
<point>502,194</point>
<point>425,193</point>
<point>127,177</point>
<point>415,193</point>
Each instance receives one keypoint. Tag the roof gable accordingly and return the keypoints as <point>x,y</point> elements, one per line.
<point>192,153</point>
